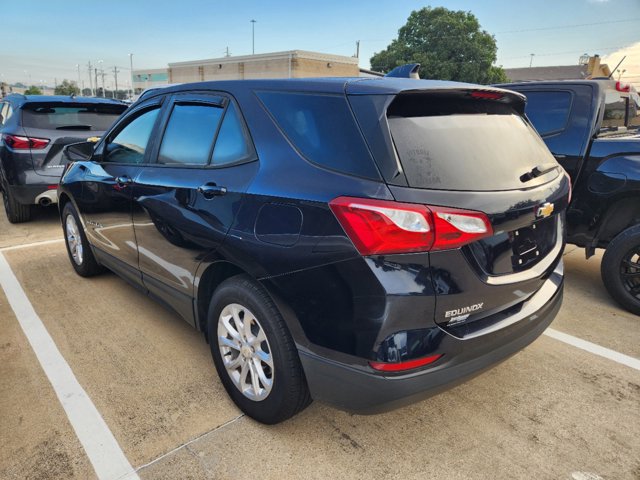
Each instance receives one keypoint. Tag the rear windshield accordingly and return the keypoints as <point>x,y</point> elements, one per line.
<point>469,151</point>
<point>77,117</point>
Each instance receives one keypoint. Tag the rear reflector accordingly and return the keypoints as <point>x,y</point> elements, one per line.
<point>401,366</point>
<point>52,187</point>
<point>17,142</point>
<point>383,227</point>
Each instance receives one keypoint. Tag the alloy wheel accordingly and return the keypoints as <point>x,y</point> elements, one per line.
<point>245,352</point>
<point>630,271</point>
<point>73,239</point>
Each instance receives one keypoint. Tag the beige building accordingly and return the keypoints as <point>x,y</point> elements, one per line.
<point>290,64</point>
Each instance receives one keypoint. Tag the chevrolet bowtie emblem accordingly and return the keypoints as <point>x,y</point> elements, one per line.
<point>544,210</point>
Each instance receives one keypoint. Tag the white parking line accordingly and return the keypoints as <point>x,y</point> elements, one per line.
<point>29,245</point>
<point>594,348</point>
<point>106,456</point>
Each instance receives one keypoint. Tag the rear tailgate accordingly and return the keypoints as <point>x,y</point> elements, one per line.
<point>474,150</point>
<point>62,124</point>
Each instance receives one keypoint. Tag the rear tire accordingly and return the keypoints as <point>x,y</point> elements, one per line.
<point>620,269</point>
<point>78,248</point>
<point>254,353</point>
<point>16,211</point>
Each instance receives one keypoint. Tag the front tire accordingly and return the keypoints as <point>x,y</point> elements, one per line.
<point>78,248</point>
<point>620,269</point>
<point>254,353</point>
<point>16,211</point>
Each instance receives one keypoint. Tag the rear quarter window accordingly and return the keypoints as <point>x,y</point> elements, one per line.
<point>322,128</point>
<point>548,111</point>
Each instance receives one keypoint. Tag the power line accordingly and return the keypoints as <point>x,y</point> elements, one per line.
<point>575,25</point>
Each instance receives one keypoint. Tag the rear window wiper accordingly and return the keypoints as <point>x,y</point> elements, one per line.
<point>538,171</point>
<point>74,127</point>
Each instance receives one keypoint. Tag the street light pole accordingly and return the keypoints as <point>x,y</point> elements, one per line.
<point>131,65</point>
<point>531,60</point>
<point>79,88</point>
<point>253,37</point>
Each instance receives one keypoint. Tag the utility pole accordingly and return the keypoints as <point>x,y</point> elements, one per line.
<point>104,88</point>
<point>78,67</point>
<point>90,74</point>
<point>253,37</point>
<point>131,65</point>
<point>227,54</point>
<point>357,48</point>
<point>531,60</point>
<point>115,74</point>
<point>95,73</point>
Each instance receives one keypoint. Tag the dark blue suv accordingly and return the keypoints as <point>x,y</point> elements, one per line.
<point>364,242</point>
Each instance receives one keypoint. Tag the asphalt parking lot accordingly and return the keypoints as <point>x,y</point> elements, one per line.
<point>554,411</point>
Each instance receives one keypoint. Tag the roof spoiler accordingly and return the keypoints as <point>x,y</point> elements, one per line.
<point>410,70</point>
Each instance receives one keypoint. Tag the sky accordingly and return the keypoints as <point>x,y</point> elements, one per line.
<point>43,41</point>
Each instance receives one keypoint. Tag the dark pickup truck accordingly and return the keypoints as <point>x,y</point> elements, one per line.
<point>592,128</point>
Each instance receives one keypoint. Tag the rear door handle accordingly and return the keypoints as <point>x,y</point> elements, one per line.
<point>123,180</point>
<point>211,190</point>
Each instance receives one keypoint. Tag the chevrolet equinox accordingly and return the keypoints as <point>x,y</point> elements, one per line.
<point>363,242</point>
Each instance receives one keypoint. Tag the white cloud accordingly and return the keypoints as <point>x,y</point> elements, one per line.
<point>631,63</point>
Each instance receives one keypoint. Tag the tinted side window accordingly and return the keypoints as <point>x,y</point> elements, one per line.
<point>323,129</point>
<point>130,144</point>
<point>548,111</point>
<point>231,144</point>
<point>189,135</point>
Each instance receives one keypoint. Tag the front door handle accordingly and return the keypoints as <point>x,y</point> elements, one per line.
<point>211,190</point>
<point>123,180</point>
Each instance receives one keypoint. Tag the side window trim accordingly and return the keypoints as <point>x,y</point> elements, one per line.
<point>125,121</point>
<point>569,111</point>
<point>205,98</point>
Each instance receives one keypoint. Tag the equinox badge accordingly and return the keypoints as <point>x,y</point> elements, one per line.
<point>544,210</point>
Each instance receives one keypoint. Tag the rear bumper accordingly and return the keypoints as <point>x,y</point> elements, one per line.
<point>34,194</point>
<point>361,390</point>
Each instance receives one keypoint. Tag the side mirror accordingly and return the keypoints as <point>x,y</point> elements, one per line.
<point>79,151</point>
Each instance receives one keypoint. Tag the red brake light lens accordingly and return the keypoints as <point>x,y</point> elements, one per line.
<point>479,94</point>
<point>383,227</point>
<point>18,142</point>
<point>402,366</point>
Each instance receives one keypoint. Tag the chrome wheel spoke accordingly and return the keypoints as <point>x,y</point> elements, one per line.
<point>261,373</point>
<point>264,357</point>
<point>229,342</point>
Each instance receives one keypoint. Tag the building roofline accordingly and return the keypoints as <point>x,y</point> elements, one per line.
<point>325,57</point>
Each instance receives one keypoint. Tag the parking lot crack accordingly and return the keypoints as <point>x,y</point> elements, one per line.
<point>186,445</point>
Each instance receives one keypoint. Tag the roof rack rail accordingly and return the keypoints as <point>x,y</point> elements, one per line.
<point>410,70</point>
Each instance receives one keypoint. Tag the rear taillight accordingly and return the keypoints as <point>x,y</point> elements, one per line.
<point>18,142</point>
<point>383,227</point>
<point>402,366</point>
<point>623,87</point>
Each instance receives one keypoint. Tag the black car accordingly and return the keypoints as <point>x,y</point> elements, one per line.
<point>364,242</point>
<point>592,127</point>
<point>33,131</point>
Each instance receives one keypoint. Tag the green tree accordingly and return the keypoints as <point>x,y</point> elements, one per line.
<point>449,45</point>
<point>33,90</point>
<point>67,88</point>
